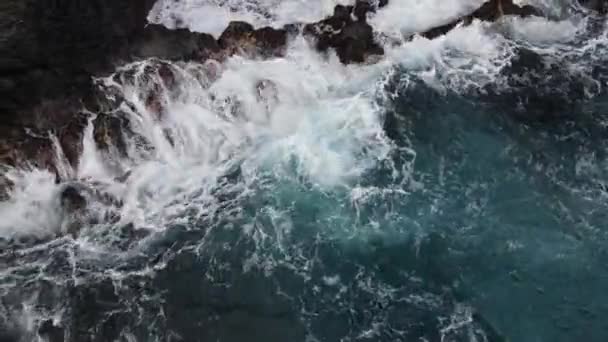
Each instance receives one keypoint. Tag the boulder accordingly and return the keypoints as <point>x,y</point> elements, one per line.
<point>347,32</point>
<point>74,205</point>
<point>72,199</point>
<point>241,38</point>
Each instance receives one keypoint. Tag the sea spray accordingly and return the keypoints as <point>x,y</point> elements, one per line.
<point>308,200</point>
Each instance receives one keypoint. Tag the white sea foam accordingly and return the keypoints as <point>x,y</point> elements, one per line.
<point>315,122</point>
<point>316,118</point>
<point>540,30</point>
<point>212,16</point>
<point>33,206</point>
<point>408,17</point>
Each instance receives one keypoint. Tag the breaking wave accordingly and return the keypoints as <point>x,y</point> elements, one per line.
<point>453,191</point>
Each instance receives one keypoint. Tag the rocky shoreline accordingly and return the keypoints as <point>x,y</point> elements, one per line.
<point>51,49</point>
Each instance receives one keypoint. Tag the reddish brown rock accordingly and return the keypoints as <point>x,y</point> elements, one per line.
<point>70,138</point>
<point>109,131</point>
<point>25,149</point>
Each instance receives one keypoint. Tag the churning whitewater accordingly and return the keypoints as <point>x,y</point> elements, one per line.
<point>452,190</point>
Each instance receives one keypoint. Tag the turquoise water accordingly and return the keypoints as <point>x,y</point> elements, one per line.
<point>498,234</point>
<point>455,191</point>
<point>476,227</point>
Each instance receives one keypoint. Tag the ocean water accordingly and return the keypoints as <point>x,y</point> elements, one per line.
<point>456,190</point>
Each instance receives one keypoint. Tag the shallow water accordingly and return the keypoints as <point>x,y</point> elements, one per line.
<point>454,191</point>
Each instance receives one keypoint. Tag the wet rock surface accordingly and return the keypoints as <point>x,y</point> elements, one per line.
<point>241,38</point>
<point>51,49</point>
<point>109,131</point>
<point>25,148</point>
<point>72,199</point>
<point>347,32</point>
<point>5,186</point>
<point>490,11</point>
<point>86,203</point>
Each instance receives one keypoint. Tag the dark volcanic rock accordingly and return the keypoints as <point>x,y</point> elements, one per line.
<point>72,199</point>
<point>489,11</point>
<point>5,186</point>
<point>74,204</point>
<point>26,149</point>
<point>180,44</point>
<point>109,131</point>
<point>353,40</point>
<point>80,203</point>
<point>70,138</point>
<point>241,38</point>
<point>51,49</point>
<point>51,332</point>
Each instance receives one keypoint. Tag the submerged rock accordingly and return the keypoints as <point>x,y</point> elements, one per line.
<point>84,204</point>
<point>74,205</point>
<point>267,93</point>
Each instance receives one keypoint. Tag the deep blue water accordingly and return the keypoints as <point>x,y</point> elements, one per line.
<point>502,239</point>
<point>486,223</point>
